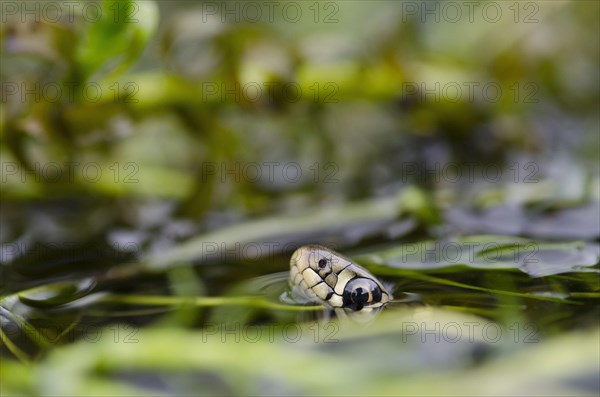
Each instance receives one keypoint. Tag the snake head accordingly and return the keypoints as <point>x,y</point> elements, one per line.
<point>323,276</point>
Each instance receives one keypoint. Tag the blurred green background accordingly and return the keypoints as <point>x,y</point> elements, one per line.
<point>160,161</point>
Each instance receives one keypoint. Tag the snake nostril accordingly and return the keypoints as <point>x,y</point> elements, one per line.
<point>322,263</point>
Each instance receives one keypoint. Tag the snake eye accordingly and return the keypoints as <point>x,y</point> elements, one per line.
<point>361,292</point>
<point>322,263</point>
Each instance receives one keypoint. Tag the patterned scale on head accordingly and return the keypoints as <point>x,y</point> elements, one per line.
<point>324,276</point>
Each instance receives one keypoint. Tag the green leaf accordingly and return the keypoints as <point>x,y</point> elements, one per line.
<point>285,231</point>
<point>408,352</point>
<point>118,36</point>
<point>536,258</point>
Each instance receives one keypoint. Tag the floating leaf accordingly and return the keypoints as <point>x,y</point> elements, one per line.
<point>56,294</point>
<point>488,252</point>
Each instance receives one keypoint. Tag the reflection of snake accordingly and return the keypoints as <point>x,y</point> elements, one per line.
<point>324,276</point>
